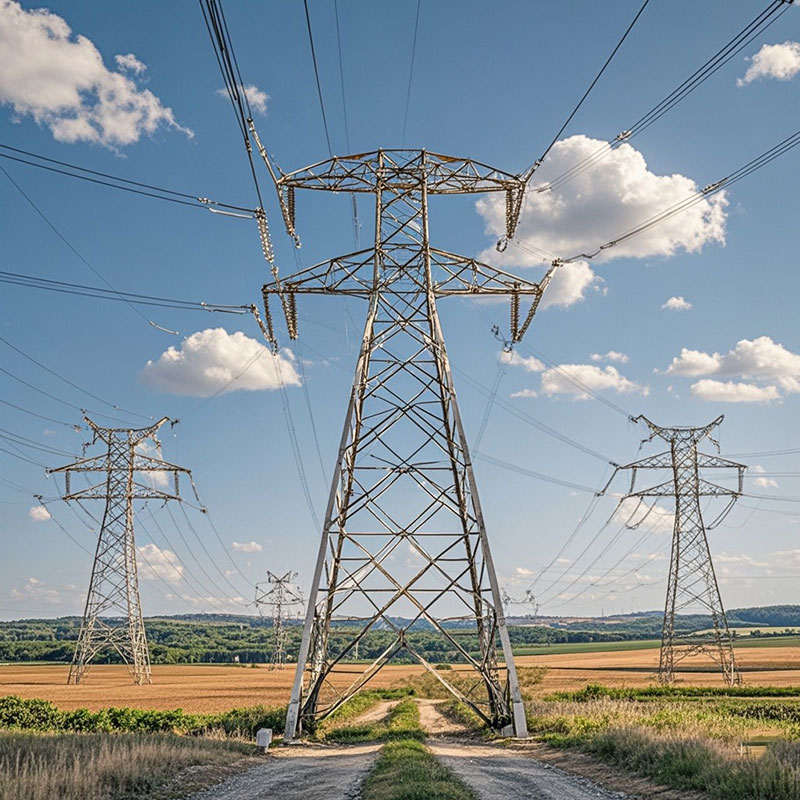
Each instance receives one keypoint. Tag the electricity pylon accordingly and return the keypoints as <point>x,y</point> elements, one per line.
<point>281,595</point>
<point>112,616</point>
<point>692,582</point>
<point>404,543</point>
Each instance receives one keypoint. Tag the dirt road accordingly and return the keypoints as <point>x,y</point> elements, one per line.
<point>311,772</point>
<point>493,772</point>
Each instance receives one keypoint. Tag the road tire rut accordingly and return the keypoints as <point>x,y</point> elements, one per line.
<point>493,772</point>
<point>311,772</point>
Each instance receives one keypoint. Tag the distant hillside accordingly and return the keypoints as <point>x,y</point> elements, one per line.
<point>207,638</point>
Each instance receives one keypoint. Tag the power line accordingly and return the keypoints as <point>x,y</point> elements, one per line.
<point>597,77</point>
<point>64,380</point>
<point>783,147</point>
<point>530,420</point>
<point>316,78</point>
<point>530,473</point>
<point>411,71</point>
<point>74,250</point>
<point>40,416</point>
<point>751,31</point>
<point>580,384</point>
<point>24,441</point>
<point>115,182</point>
<point>65,287</point>
<point>353,200</point>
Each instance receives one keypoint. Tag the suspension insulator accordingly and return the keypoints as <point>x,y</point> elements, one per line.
<point>290,209</point>
<point>510,221</point>
<point>514,315</point>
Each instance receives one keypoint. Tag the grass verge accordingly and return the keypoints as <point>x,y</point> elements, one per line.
<point>101,767</point>
<point>691,762</point>
<point>407,770</point>
<point>732,744</point>
<point>402,722</point>
<point>43,716</point>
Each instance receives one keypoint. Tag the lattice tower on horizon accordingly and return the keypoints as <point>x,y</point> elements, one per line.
<point>112,615</point>
<point>281,595</point>
<point>692,586</point>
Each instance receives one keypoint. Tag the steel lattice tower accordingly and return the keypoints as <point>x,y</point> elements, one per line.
<point>692,581</point>
<point>404,543</point>
<point>281,594</point>
<point>113,613</point>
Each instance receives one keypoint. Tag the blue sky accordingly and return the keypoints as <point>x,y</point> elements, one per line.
<point>492,81</point>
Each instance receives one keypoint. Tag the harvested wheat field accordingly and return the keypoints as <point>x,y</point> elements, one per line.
<point>210,688</point>
<point>760,666</point>
<point>197,688</point>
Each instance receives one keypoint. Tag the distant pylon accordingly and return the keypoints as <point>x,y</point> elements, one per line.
<point>692,581</point>
<point>281,596</point>
<point>113,613</point>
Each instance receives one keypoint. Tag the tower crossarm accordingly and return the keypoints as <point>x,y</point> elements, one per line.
<point>682,434</point>
<point>399,170</point>
<point>707,489</point>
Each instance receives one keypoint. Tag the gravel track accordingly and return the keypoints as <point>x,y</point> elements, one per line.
<point>310,772</point>
<point>492,772</point>
<point>435,723</point>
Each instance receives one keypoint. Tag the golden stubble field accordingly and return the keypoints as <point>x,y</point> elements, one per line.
<point>211,688</point>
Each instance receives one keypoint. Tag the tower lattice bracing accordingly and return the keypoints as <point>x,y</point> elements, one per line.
<point>692,586</point>
<point>404,545</point>
<point>112,617</point>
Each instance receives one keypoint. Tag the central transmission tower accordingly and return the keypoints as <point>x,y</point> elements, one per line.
<point>692,585</point>
<point>279,594</point>
<point>404,545</point>
<point>113,613</point>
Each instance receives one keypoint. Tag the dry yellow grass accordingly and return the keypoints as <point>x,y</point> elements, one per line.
<point>208,688</point>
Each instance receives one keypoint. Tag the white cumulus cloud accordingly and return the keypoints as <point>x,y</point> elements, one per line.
<point>39,514</point>
<point>528,363</point>
<point>60,80</point>
<point>611,355</point>
<point>575,379</point>
<point>765,483</point>
<point>677,304</point>
<point>246,547</point>
<point>733,392</point>
<point>763,366</point>
<point>779,61</point>
<point>215,361</point>
<point>256,97</point>
<point>131,63</point>
<point>37,590</point>
<point>618,193</point>
<point>157,563</point>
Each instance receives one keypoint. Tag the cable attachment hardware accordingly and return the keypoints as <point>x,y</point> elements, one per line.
<point>268,330</point>
<point>514,197</point>
<point>712,187</point>
<point>287,206</point>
